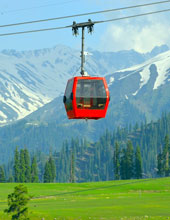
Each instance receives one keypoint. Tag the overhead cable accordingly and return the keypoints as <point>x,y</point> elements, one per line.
<point>37,7</point>
<point>85,14</point>
<point>132,16</point>
<point>95,22</point>
<point>34,31</point>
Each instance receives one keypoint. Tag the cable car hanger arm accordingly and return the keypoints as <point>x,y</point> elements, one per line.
<point>75,30</point>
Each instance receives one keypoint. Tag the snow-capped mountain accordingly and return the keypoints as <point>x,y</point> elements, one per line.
<point>162,65</point>
<point>33,78</point>
<point>146,86</point>
<point>30,79</point>
<point>137,93</point>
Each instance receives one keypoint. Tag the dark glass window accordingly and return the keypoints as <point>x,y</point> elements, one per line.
<point>90,94</point>
<point>68,94</point>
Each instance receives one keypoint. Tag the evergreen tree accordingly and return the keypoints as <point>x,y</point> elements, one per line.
<point>47,173</point>
<point>27,166</point>
<point>34,171</point>
<point>116,161</point>
<point>22,166</point>
<point>138,163</point>
<point>17,202</point>
<point>123,165</point>
<point>164,159</point>
<point>2,175</point>
<point>52,169</point>
<point>16,166</point>
<point>166,156</point>
<point>129,160</point>
<point>72,168</point>
<point>160,165</point>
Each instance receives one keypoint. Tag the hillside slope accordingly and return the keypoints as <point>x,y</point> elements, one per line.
<point>140,93</point>
<point>30,79</point>
<point>146,86</point>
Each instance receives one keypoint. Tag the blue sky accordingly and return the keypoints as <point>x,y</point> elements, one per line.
<point>141,34</point>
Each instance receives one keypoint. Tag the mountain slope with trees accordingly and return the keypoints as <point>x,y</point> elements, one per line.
<point>138,94</point>
<point>139,151</point>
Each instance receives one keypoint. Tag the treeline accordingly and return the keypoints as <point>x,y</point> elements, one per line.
<point>164,159</point>
<point>68,167</point>
<point>127,163</point>
<point>95,161</point>
<point>141,151</point>
<point>24,169</point>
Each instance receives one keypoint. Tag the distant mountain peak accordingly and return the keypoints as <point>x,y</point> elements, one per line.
<point>30,79</point>
<point>159,49</point>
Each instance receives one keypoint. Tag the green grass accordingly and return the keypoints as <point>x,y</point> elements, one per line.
<point>133,199</point>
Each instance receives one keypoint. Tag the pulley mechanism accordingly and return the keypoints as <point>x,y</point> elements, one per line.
<point>75,30</point>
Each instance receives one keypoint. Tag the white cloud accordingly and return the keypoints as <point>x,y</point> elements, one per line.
<point>141,34</point>
<point>141,38</point>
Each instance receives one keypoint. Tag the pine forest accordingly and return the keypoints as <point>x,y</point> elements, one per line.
<point>134,152</point>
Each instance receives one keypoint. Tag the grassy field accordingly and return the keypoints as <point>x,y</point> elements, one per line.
<point>133,199</point>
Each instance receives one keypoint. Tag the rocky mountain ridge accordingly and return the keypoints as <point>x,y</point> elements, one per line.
<point>31,79</point>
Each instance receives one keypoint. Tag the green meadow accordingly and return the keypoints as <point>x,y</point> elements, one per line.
<point>128,199</point>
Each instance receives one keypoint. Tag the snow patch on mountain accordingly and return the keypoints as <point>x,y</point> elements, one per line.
<point>111,81</point>
<point>27,84</point>
<point>30,79</point>
<point>162,68</point>
<point>145,76</point>
<point>162,63</point>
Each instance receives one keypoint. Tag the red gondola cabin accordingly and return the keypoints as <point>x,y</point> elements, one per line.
<point>86,97</point>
